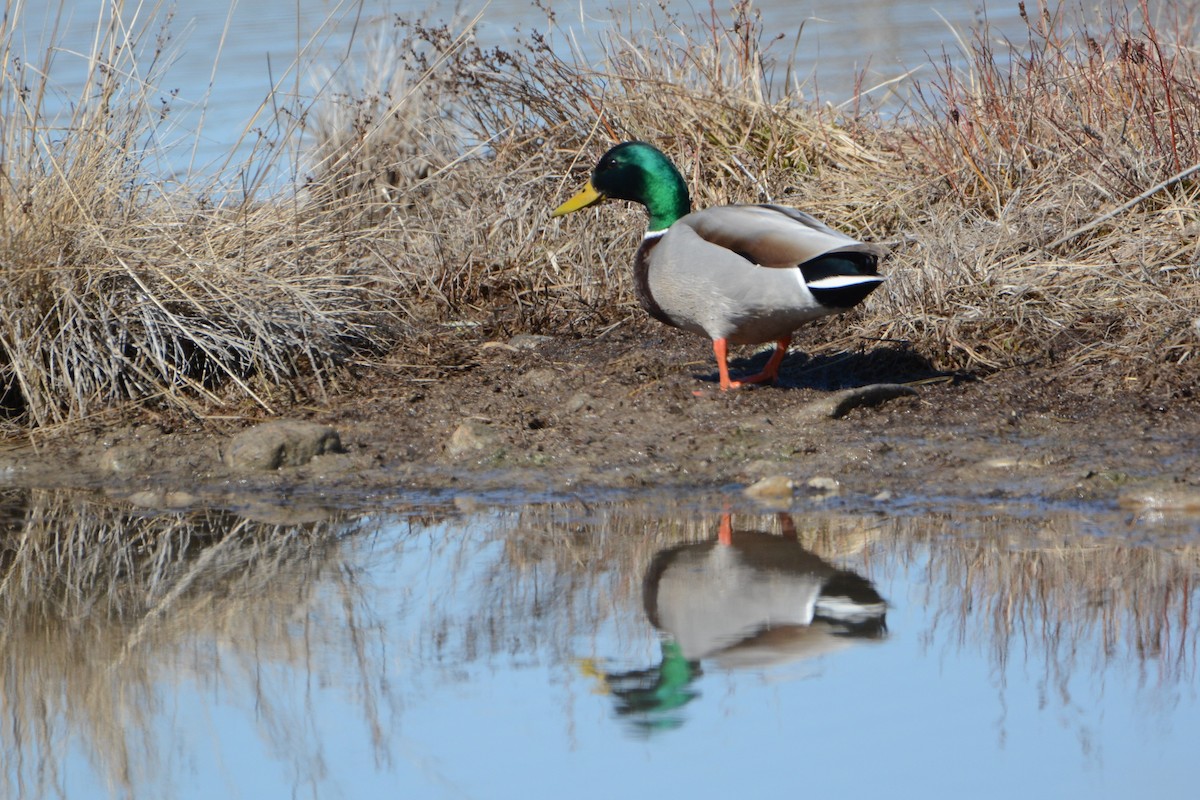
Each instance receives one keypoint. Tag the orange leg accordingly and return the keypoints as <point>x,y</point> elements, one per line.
<point>721,350</point>
<point>789,526</point>
<point>725,531</point>
<point>770,371</point>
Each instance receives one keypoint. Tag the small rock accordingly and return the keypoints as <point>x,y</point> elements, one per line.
<point>883,496</point>
<point>126,459</point>
<point>580,401</point>
<point>772,487</point>
<point>1010,462</point>
<point>999,462</point>
<point>528,341</point>
<point>842,403</point>
<point>150,498</point>
<point>541,378</point>
<point>471,437</point>
<point>824,485</point>
<point>282,443</point>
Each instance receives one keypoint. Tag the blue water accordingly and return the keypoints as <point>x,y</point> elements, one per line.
<point>483,654</point>
<point>229,65</point>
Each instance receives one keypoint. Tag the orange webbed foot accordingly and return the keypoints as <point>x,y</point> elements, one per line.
<point>769,374</point>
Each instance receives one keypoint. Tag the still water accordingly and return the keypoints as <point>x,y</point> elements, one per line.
<point>617,647</point>
<point>224,68</point>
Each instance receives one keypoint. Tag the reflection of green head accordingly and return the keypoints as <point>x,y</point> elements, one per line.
<point>649,698</point>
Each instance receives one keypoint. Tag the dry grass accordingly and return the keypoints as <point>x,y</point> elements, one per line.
<point>1039,202</point>
<point>119,291</point>
<point>1064,221</point>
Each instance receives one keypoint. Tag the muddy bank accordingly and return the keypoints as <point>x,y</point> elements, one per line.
<point>538,415</point>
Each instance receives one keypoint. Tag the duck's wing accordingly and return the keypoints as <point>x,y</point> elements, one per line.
<point>775,236</point>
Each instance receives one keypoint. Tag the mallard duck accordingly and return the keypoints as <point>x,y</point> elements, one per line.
<point>739,274</point>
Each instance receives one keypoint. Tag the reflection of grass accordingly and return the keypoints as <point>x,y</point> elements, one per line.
<point>1039,201</point>
<point>1081,601</point>
<point>1010,583</point>
<point>566,571</point>
<point>99,606</point>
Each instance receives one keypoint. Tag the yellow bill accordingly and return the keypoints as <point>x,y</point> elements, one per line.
<point>586,197</point>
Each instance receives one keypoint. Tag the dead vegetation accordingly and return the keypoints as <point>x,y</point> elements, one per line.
<point>1063,223</point>
<point>1039,201</point>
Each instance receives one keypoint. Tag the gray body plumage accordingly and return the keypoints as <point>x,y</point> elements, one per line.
<point>762,600</point>
<point>751,273</point>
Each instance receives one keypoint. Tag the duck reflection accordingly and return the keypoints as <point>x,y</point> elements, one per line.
<point>745,600</point>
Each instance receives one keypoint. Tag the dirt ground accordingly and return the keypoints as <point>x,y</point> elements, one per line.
<point>539,417</point>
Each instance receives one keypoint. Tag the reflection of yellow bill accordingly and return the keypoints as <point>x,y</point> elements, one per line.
<point>586,197</point>
<point>588,667</point>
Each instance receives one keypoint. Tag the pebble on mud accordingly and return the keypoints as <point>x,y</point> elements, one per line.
<point>282,443</point>
<point>824,485</point>
<point>1011,462</point>
<point>541,378</point>
<point>580,401</point>
<point>772,487</point>
<point>472,436</point>
<point>839,404</point>
<point>126,459</point>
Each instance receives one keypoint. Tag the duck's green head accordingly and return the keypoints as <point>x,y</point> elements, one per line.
<point>640,173</point>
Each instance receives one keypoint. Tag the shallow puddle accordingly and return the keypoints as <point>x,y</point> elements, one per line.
<point>640,648</point>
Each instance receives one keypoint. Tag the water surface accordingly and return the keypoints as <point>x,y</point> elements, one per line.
<point>227,66</point>
<point>598,649</point>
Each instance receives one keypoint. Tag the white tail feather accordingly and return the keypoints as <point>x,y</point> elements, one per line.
<point>841,281</point>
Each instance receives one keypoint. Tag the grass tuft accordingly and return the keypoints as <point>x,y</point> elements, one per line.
<point>118,291</point>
